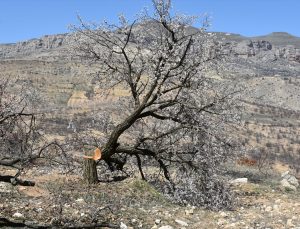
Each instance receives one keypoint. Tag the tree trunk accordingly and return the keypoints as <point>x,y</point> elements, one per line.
<point>90,175</point>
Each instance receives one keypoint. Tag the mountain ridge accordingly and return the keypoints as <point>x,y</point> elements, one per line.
<point>56,45</point>
<point>268,35</point>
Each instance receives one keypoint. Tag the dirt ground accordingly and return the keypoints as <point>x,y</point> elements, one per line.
<point>65,201</point>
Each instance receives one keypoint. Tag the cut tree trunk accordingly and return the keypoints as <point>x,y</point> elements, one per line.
<point>90,175</point>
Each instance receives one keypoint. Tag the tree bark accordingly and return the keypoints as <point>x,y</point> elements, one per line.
<point>90,175</point>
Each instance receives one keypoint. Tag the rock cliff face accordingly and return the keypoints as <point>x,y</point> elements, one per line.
<point>289,52</point>
<point>35,47</point>
<point>262,50</point>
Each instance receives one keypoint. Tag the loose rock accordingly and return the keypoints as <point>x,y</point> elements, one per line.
<point>181,223</point>
<point>166,227</point>
<point>268,209</point>
<point>189,211</point>
<point>80,200</point>
<point>243,180</point>
<point>287,186</point>
<point>157,221</point>
<point>123,226</point>
<point>18,215</point>
<point>289,223</point>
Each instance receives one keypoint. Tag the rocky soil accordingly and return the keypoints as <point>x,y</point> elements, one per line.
<point>60,201</point>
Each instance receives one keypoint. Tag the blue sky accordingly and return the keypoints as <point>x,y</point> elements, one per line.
<point>25,19</point>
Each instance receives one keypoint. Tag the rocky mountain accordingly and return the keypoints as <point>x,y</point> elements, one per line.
<point>279,39</point>
<point>251,59</point>
<point>276,45</point>
<point>41,48</point>
<point>270,47</point>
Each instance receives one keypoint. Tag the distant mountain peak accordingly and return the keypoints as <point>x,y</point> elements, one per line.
<point>281,34</point>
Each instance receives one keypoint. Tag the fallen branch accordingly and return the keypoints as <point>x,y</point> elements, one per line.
<point>8,223</point>
<point>4,222</point>
<point>16,181</point>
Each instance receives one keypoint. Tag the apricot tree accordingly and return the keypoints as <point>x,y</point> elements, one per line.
<point>175,113</point>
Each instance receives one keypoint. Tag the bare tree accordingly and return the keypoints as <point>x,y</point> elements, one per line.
<point>20,137</point>
<point>174,113</point>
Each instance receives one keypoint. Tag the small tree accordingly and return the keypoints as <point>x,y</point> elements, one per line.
<point>21,142</point>
<point>174,113</point>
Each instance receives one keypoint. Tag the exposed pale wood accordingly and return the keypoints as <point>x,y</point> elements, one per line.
<point>97,155</point>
